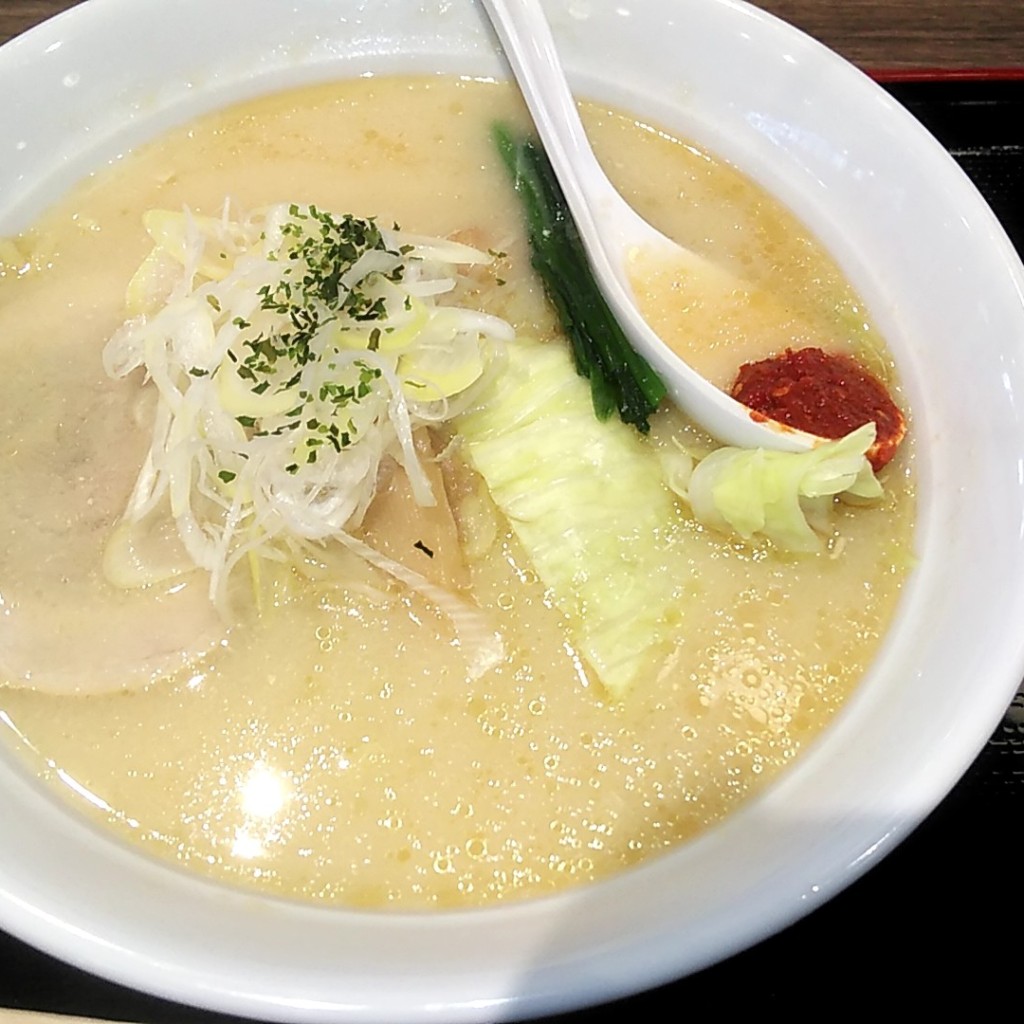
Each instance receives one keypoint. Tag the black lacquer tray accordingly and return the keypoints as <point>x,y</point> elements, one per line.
<point>932,922</point>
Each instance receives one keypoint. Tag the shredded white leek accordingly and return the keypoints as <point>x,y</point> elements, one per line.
<point>292,350</point>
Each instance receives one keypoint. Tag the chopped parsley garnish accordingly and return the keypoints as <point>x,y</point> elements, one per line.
<point>315,293</point>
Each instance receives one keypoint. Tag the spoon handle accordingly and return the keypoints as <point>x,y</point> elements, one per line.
<point>529,46</point>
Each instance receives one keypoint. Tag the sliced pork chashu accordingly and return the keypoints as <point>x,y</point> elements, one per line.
<point>70,449</point>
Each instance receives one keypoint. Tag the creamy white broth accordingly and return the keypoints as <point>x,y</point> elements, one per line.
<point>333,749</point>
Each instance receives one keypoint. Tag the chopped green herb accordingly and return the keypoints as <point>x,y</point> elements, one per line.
<point>310,295</point>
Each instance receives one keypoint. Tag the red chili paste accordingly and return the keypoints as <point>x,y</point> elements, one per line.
<point>824,394</point>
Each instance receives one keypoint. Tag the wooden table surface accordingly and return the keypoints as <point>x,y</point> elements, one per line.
<point>876,34</point>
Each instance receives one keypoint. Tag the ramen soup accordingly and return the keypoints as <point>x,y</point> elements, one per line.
<point>335,731</point>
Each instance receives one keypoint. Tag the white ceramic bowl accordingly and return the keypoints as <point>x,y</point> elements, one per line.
<point>946,289</point>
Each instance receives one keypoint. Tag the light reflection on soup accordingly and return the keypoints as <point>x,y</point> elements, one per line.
<point>334,750</point>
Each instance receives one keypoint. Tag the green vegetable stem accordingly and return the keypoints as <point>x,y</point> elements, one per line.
<point>620,379</point>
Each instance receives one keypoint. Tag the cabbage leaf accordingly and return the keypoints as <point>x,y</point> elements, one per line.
<point>588,502</point>
<point>784,497</point>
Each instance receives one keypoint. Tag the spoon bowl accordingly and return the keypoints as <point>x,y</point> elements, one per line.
<point>616,237</point>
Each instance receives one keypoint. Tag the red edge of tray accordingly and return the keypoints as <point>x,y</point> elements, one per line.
<point>994,74</point>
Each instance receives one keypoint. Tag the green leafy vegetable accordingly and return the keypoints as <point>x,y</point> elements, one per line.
<point>781,496</point>
<point>620,379</point>
<point>588,503</point>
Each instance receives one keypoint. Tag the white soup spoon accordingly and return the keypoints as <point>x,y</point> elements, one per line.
<point>613,233</point>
